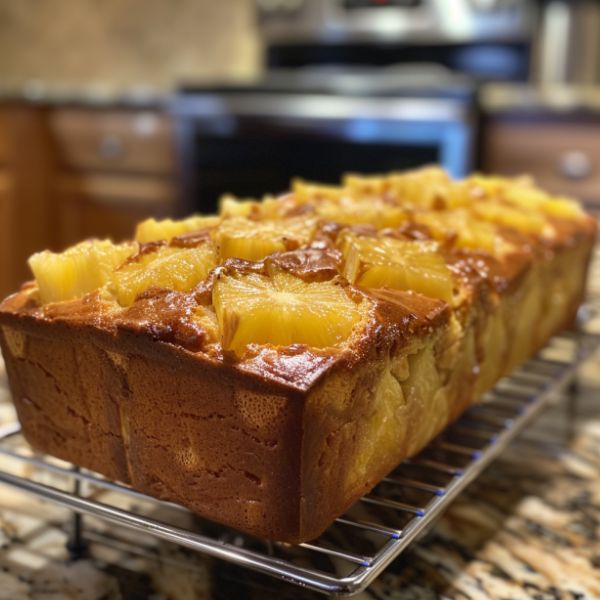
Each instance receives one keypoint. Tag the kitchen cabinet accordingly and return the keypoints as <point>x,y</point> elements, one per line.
<point>6,234</point>
<point>108,205</point>
<point>73,172</point>
<point>26,206</point>
<point>563,157</point>
<point>113,140</point>
<point>6,215</point>
<point>114,167</point>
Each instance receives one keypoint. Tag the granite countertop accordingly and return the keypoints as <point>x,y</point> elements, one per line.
<point>528,528</point>
<point>551,100</point>
<point>93,95</point>
<point>556,100</point>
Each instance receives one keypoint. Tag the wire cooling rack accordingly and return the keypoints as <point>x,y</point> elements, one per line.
<point>361,543</point>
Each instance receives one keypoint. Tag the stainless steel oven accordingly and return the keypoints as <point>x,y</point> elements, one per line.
<point>252,141</point>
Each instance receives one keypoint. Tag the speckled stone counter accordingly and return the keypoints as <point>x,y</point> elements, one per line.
<point>528,528</point>
<point>91,95</point>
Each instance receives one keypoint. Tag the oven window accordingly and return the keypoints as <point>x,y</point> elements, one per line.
<point>252,166</point>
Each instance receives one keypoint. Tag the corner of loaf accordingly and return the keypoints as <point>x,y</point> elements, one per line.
<point>267,366</point>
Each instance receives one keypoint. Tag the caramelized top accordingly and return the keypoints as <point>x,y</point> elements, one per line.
<point>290,286</point>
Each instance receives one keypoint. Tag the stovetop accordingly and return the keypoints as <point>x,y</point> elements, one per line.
<point>406,80</point>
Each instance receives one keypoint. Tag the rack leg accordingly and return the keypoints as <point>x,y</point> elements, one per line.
<point>76,544</point>
<point>571,405</point>
<point>574,387</point>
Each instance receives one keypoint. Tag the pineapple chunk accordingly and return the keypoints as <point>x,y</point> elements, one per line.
<point>533,199</point>
<point>233,207</point>
<point>522,220</point>
<point>78,270</point>
<point>370,185</point>
<point>522,193</point>
<point>354,212</point>
<point>178,269</point>
<point>283,310</point>
<point>152,230</point>
<point>464,230</point>
<point>250,240</point>
<point>269,208</point>
<point>403,265</point>
<point>563,208</point>
<point>422,188</point>
<point>351,206</point>
<point>314,192</point>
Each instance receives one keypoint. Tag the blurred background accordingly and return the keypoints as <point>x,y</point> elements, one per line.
<point>117,110</point>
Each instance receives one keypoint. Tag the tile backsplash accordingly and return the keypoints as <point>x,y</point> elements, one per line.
<point>127,42</point>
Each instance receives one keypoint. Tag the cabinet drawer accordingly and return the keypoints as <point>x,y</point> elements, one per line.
<point>132,141</point>
<point>562,157</point>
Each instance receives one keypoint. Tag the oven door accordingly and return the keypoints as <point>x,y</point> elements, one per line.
<point>254,144</point>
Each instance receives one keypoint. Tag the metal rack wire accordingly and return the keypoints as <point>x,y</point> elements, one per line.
<point>362,542</point>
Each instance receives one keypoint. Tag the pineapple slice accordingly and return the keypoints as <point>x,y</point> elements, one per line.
<point>403,265</point>
<point>178,269</point>
<point>152,230</point>
<point>250,240</point>
<point>78,270</point>
<point>283,310</point>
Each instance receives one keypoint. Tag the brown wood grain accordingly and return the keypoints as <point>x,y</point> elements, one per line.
<point>113,140</point>
<point>98,205</point>
<point>56,189</point>
<point>29,159</point>
<point>4,142</point>
<point>6,234</point>
<point>515,148</point>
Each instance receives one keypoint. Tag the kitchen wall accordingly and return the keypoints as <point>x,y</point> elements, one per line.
<point>126,42</point>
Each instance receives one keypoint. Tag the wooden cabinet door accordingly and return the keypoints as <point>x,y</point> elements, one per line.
<point>7,254</point>
<point>25,153</point>
<point>113,140</point>
<point>563,157</point>
<point>109,206</point>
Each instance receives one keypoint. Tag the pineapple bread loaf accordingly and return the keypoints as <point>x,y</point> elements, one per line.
<point>268,366</point>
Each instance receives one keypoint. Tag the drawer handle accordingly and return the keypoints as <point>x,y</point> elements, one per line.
<point>111,147</point>
<point>574,165</point>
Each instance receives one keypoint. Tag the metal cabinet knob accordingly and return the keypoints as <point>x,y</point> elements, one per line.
<point>574,164</point>
<point>111,147</point>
